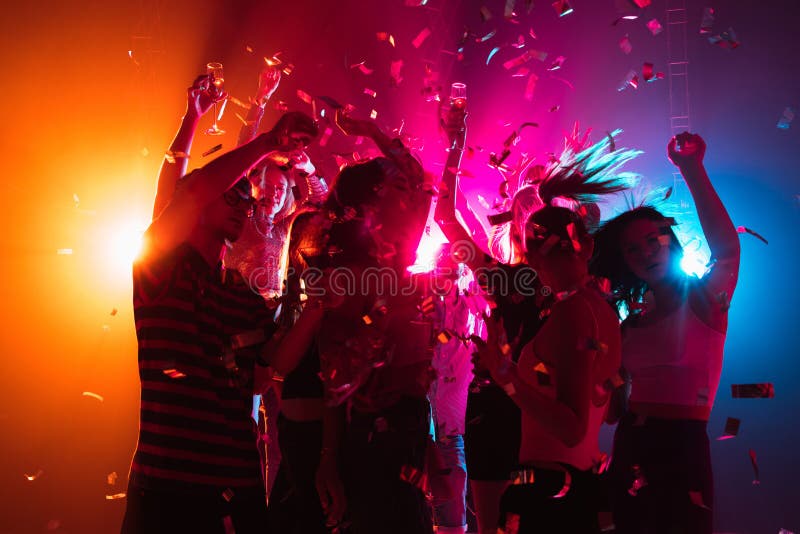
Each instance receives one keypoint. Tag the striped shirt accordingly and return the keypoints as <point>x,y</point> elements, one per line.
<point>198,330</point>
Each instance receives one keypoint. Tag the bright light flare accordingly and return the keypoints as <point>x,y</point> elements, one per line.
<point>122,244</point>
<point>694,262</point>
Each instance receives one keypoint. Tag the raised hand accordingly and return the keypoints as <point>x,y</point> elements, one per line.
<point>201,96</point>
<point>353,126</point>
<point>686,150</point>
<point>268,81</point>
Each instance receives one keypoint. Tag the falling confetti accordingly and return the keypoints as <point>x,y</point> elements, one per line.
<point>114,311</point>
<point>754,462</point>
<point>34,476</point>
<point>654,26</point>
<point>648,75</point>
<point>697,499</point>
<point>625,45</point>
<point>486,37</point>
<point>111,478</point>
<point>420,38</point>
<point>708,20</point>
<point>64,251</point>
<point>326,135</point>
<point>726,39</point>
<point>93,395</point>
<point>786,119</point>
<point>745,230</point>
<point>753,391</point>
<point>212,150</point>
<point>557,63</point>
<point>492,53</point>
<point>174,373</point>
<point>631,80</point>
<point>562,8</point>
<point>731,429</point>
<point>116,496</point>
<point>530,87</point>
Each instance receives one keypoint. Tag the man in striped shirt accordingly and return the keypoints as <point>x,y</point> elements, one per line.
<point>201,334</point>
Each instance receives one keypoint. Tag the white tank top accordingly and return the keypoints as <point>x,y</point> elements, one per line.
<point>676,361</point>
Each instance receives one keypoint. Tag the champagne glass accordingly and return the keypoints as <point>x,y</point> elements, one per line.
<point>458,95</point>
<point>214,70</point>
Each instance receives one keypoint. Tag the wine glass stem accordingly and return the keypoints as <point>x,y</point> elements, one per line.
<point>215,115</point>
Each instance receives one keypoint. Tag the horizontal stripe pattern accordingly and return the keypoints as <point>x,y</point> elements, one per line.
<point>195,427</point>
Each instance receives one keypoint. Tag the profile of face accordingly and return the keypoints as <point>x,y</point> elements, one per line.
<point>272,190</point>
<point>226,216</point>
<point>645,250</point>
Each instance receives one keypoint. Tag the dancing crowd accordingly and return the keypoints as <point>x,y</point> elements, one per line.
<point>386,392</point>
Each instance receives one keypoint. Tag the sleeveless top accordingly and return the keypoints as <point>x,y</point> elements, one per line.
<point>543,378</point>
<point>677,360</point>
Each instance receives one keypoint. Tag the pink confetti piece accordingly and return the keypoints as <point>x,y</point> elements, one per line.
<point>753,391</point>
<point>708,21</point>
<point>625,45</point>
<point>362,67</point>
<point>530,87</point>
<point>524,58</point>
<point>754,463</point>
<point>654,26</point>
<point>532,33</point>
<point>394,71</point>
<point>34,476</point>
<point>642,3</point>
<point>521,72</point>
<point>565,488</point>
<point>562,8</point>
<point>370,92</point>
<point>420,38</point>
<point>373,114</point>
<point>559,61</point>
<point>648,75</point>
<point>93,395</point>
<point>520,42</point>
<point>248,49</point>
<point>305,97</point>
<point>326,135</point>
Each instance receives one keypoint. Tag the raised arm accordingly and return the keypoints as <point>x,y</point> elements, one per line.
<point>391,148</point>
<point>268,80</point>
<point>201,187</point>
<point>447,214</point>
<point>686,151</point>
<point>200,97</point>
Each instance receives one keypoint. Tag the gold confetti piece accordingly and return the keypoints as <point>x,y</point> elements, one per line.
<point>64,251</point>
<point>238,102</point>
<point>93,395</point>
<point>373,114</point>
<point>111,478</point>
<point>211,150</point>
<point>367,319</point>
<point>305,97</point>
<point>248,49</point>
<point>444,337</point>
<point>114,311</point>
<point>34,476</point>
<point>288,69</point>
<point>116,496</point>
<point>420,38</point>
<point>541,368</point>
<point>244,121</point>
<point>174,373</point>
